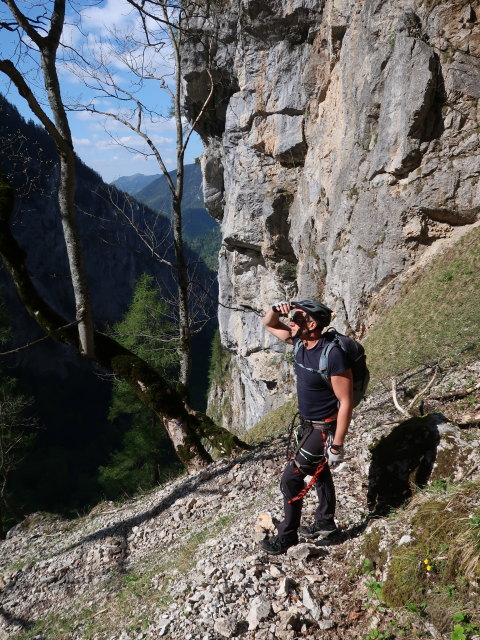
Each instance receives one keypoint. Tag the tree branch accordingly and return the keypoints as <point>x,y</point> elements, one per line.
<point>7,67</point>
<point>35,342</point>
<point>24,23</point>
<point>423,391</point>
<point>395,401</point>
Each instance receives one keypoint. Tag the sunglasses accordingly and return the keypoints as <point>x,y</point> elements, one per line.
<point>297,318</point>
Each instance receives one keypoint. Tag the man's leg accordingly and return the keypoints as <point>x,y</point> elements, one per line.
<point>291,484</point>
<point>324,524</point>
<point>326,496</point>
<point>311,453</point>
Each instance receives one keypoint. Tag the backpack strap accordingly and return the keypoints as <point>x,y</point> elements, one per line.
<point>323,363</point>
<point>299,344</point>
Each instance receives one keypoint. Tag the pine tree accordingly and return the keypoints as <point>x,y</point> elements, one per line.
<point>145,455</point>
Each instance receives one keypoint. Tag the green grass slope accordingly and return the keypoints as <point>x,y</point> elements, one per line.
<point>436,318</point>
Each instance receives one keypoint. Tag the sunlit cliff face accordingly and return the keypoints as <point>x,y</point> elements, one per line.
<point>340,148</point>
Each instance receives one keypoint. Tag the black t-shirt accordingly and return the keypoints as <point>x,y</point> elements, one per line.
<point>316,401</point>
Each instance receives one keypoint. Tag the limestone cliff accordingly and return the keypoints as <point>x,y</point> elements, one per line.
<point>342,143</point>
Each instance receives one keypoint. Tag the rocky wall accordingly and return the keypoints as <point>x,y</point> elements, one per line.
<point>341,142</point>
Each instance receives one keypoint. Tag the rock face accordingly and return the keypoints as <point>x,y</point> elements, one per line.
<point>341,142</point>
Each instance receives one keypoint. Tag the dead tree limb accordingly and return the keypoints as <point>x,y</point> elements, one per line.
<point>395,401</point>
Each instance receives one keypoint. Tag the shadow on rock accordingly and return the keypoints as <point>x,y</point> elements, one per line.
<point>402,461</point>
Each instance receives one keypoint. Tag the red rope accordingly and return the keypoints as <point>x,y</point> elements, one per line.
<point>321,466</point>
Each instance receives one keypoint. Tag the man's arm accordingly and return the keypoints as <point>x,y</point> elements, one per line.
<point>342,386</point>
<point>273,324</point>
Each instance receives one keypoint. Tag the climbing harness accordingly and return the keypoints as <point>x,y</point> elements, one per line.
<point>327,428</point>
<point>293,430</point>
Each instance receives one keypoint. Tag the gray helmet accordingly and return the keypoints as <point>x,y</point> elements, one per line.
<point>316,310</point>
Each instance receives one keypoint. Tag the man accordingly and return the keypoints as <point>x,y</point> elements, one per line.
<point>325,417</point>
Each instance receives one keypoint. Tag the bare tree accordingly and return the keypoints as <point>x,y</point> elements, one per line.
<point>59,129</point>
<point>185,427</point>
<point>151,54</point>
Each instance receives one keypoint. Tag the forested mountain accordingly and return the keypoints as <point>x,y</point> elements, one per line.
<point>200,230</point>
<point>71,397</point>
<point>156,194</point>
<point>134,184</point>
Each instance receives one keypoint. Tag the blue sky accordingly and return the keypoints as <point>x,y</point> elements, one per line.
<point>89,28</point>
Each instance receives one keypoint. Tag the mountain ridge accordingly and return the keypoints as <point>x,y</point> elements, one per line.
<point>134,183</point>
<point>199,229</point>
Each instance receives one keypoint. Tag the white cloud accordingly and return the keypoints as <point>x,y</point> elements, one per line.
<point>81,142</point>
<point>114,13</point>
<point>71,35</point>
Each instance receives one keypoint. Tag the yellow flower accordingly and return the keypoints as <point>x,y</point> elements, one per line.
<point>426,561</point>
<point>429,568</point>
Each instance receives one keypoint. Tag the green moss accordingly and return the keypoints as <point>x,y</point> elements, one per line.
<point>374,557</point>
<point>287,270</point>
<point>352,193</point>
<point>225,442</point>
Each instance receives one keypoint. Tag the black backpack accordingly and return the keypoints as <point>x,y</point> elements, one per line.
<point>356,358</point>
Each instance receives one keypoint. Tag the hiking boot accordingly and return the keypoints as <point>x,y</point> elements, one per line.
<point>276,545</point>
<point>319,529</point>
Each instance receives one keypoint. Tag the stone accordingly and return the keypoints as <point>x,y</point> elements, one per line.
<point>225,627</point>
<point>276,572</point>
<point>324,625</point>
<point>312,604</point>
<point>286,584</point>
<point>260,609</point>
<point>304,551</point>
<point>264,523</point>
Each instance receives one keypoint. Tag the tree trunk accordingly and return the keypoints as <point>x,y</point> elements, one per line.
<point>66,203</point>
<point>185,427</point>
<point>60,132</point>
<point>185,347</point>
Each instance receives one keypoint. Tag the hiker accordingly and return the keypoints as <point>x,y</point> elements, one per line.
<point>325,413</point>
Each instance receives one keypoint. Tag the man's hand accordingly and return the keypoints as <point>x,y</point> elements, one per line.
<point>336,455</point>
<point>283,307</point>
<point>274,325</point>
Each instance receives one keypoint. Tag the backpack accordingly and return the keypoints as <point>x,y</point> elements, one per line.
<point>355,356</point>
